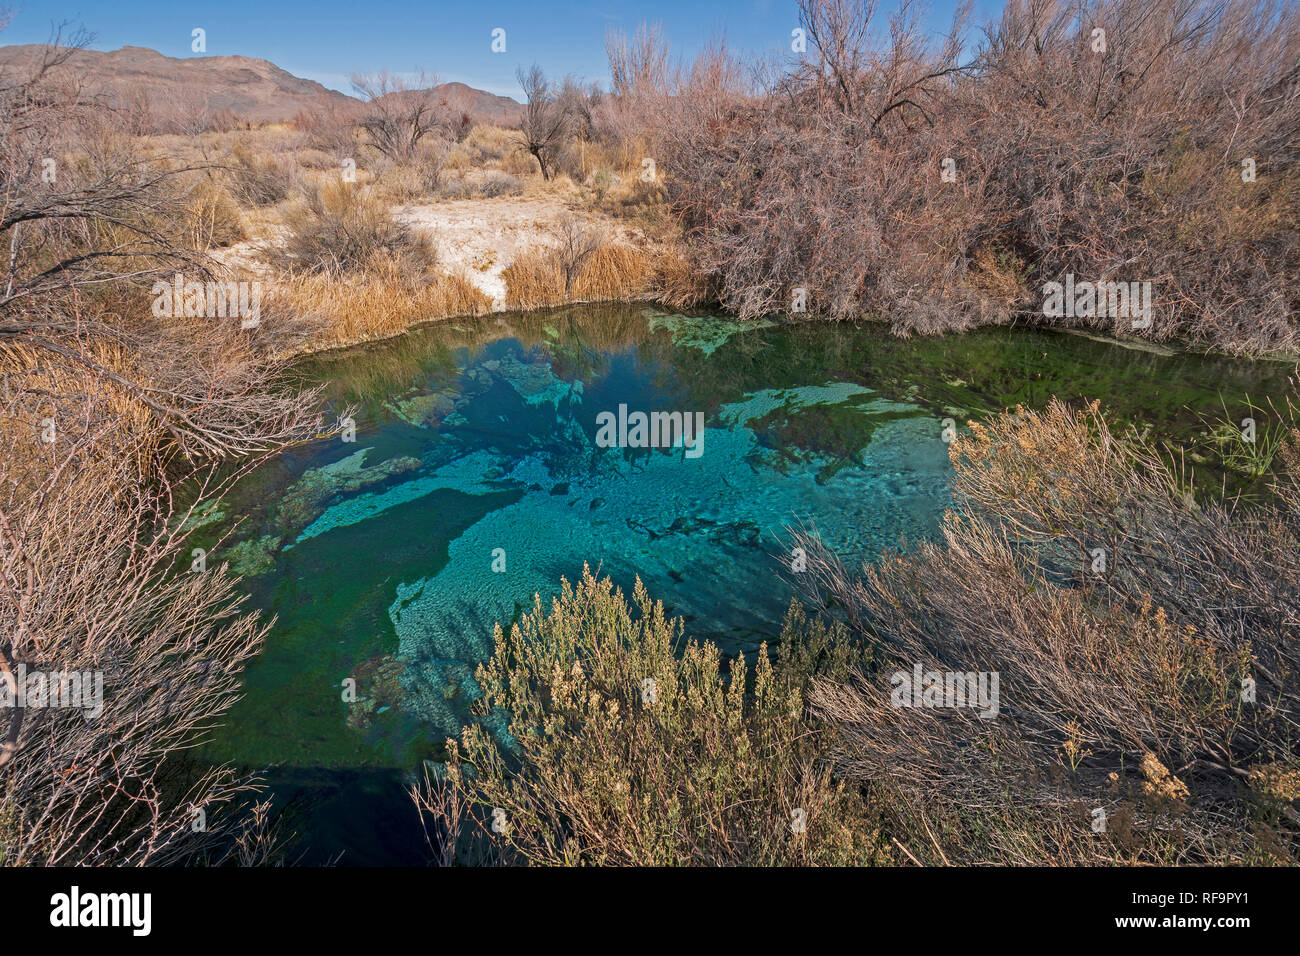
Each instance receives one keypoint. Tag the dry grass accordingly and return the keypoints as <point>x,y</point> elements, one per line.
<point>31,395</point>
<point>377,303</point>
<point>614,272</point>
<point>212,218</point>
<point>677,282</point>
<point>1121,685</point>
<point>256,180</point>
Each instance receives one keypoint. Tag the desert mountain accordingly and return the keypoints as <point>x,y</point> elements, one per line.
<point>250,88</point>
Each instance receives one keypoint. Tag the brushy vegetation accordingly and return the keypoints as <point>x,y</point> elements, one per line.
<point>112,419</point>
<point>627,745</point>
<point>339,229</point>
<point>1157,685</point>
<point>1116,158</point>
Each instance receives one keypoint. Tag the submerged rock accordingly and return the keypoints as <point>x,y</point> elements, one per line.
<point>255,556</point>
<point>306,498</point>
<point>424,411</point>
<point>534,382</point>
<point>379,689</point>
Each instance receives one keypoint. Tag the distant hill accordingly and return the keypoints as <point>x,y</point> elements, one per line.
<point>485,107</point>
<point>252,89</point>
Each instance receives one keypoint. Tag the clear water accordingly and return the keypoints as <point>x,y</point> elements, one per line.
<point>475,442</point>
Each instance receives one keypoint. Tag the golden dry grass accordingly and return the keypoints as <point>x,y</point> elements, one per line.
<point>615,272</point>
<point>213,219</point>
<point>678,282</point>
<point>377,303</point>
<point>120,422</point>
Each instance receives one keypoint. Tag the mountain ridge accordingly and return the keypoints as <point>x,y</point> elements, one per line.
<point>253,89</point>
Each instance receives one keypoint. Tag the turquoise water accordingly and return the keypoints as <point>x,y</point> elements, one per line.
<point>476,481</point>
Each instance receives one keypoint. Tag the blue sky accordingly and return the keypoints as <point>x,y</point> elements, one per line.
<point>325,40</point>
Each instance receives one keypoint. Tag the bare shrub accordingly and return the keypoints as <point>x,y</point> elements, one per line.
<point>92,583</point>
<point>1122,164</point>
<point>547,119</point>
<point>639,79</point>
<point>459,125</point>
<point>577,241</point>
<point>259,182</point>
<point>342,228</point>
<point>399,115</point>
<point>1121,683</point>
<point>495,183</point>
<point>330,128</point>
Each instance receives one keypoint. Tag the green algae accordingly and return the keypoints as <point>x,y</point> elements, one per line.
<point>706,333</point>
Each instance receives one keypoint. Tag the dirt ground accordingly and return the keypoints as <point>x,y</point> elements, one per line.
<point>478,238</point>
<point>482,237</point>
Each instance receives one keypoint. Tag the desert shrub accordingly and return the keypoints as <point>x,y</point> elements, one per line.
<point>496,183</point>
<point>399,184</point>
<point>89,576</point>
<point>330,129</point>
<point>454,186</point>
<point>258,182</point>
<point>625,744</point>
<point>211,219</point>
<point>490,144</point>
<point>399,117</point>
<point>485,184</point>
<point>312,158</point>
<point>492,147</point>
<point>1145,644</point>
<point>1122,164</point>
<point>343,227</point>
